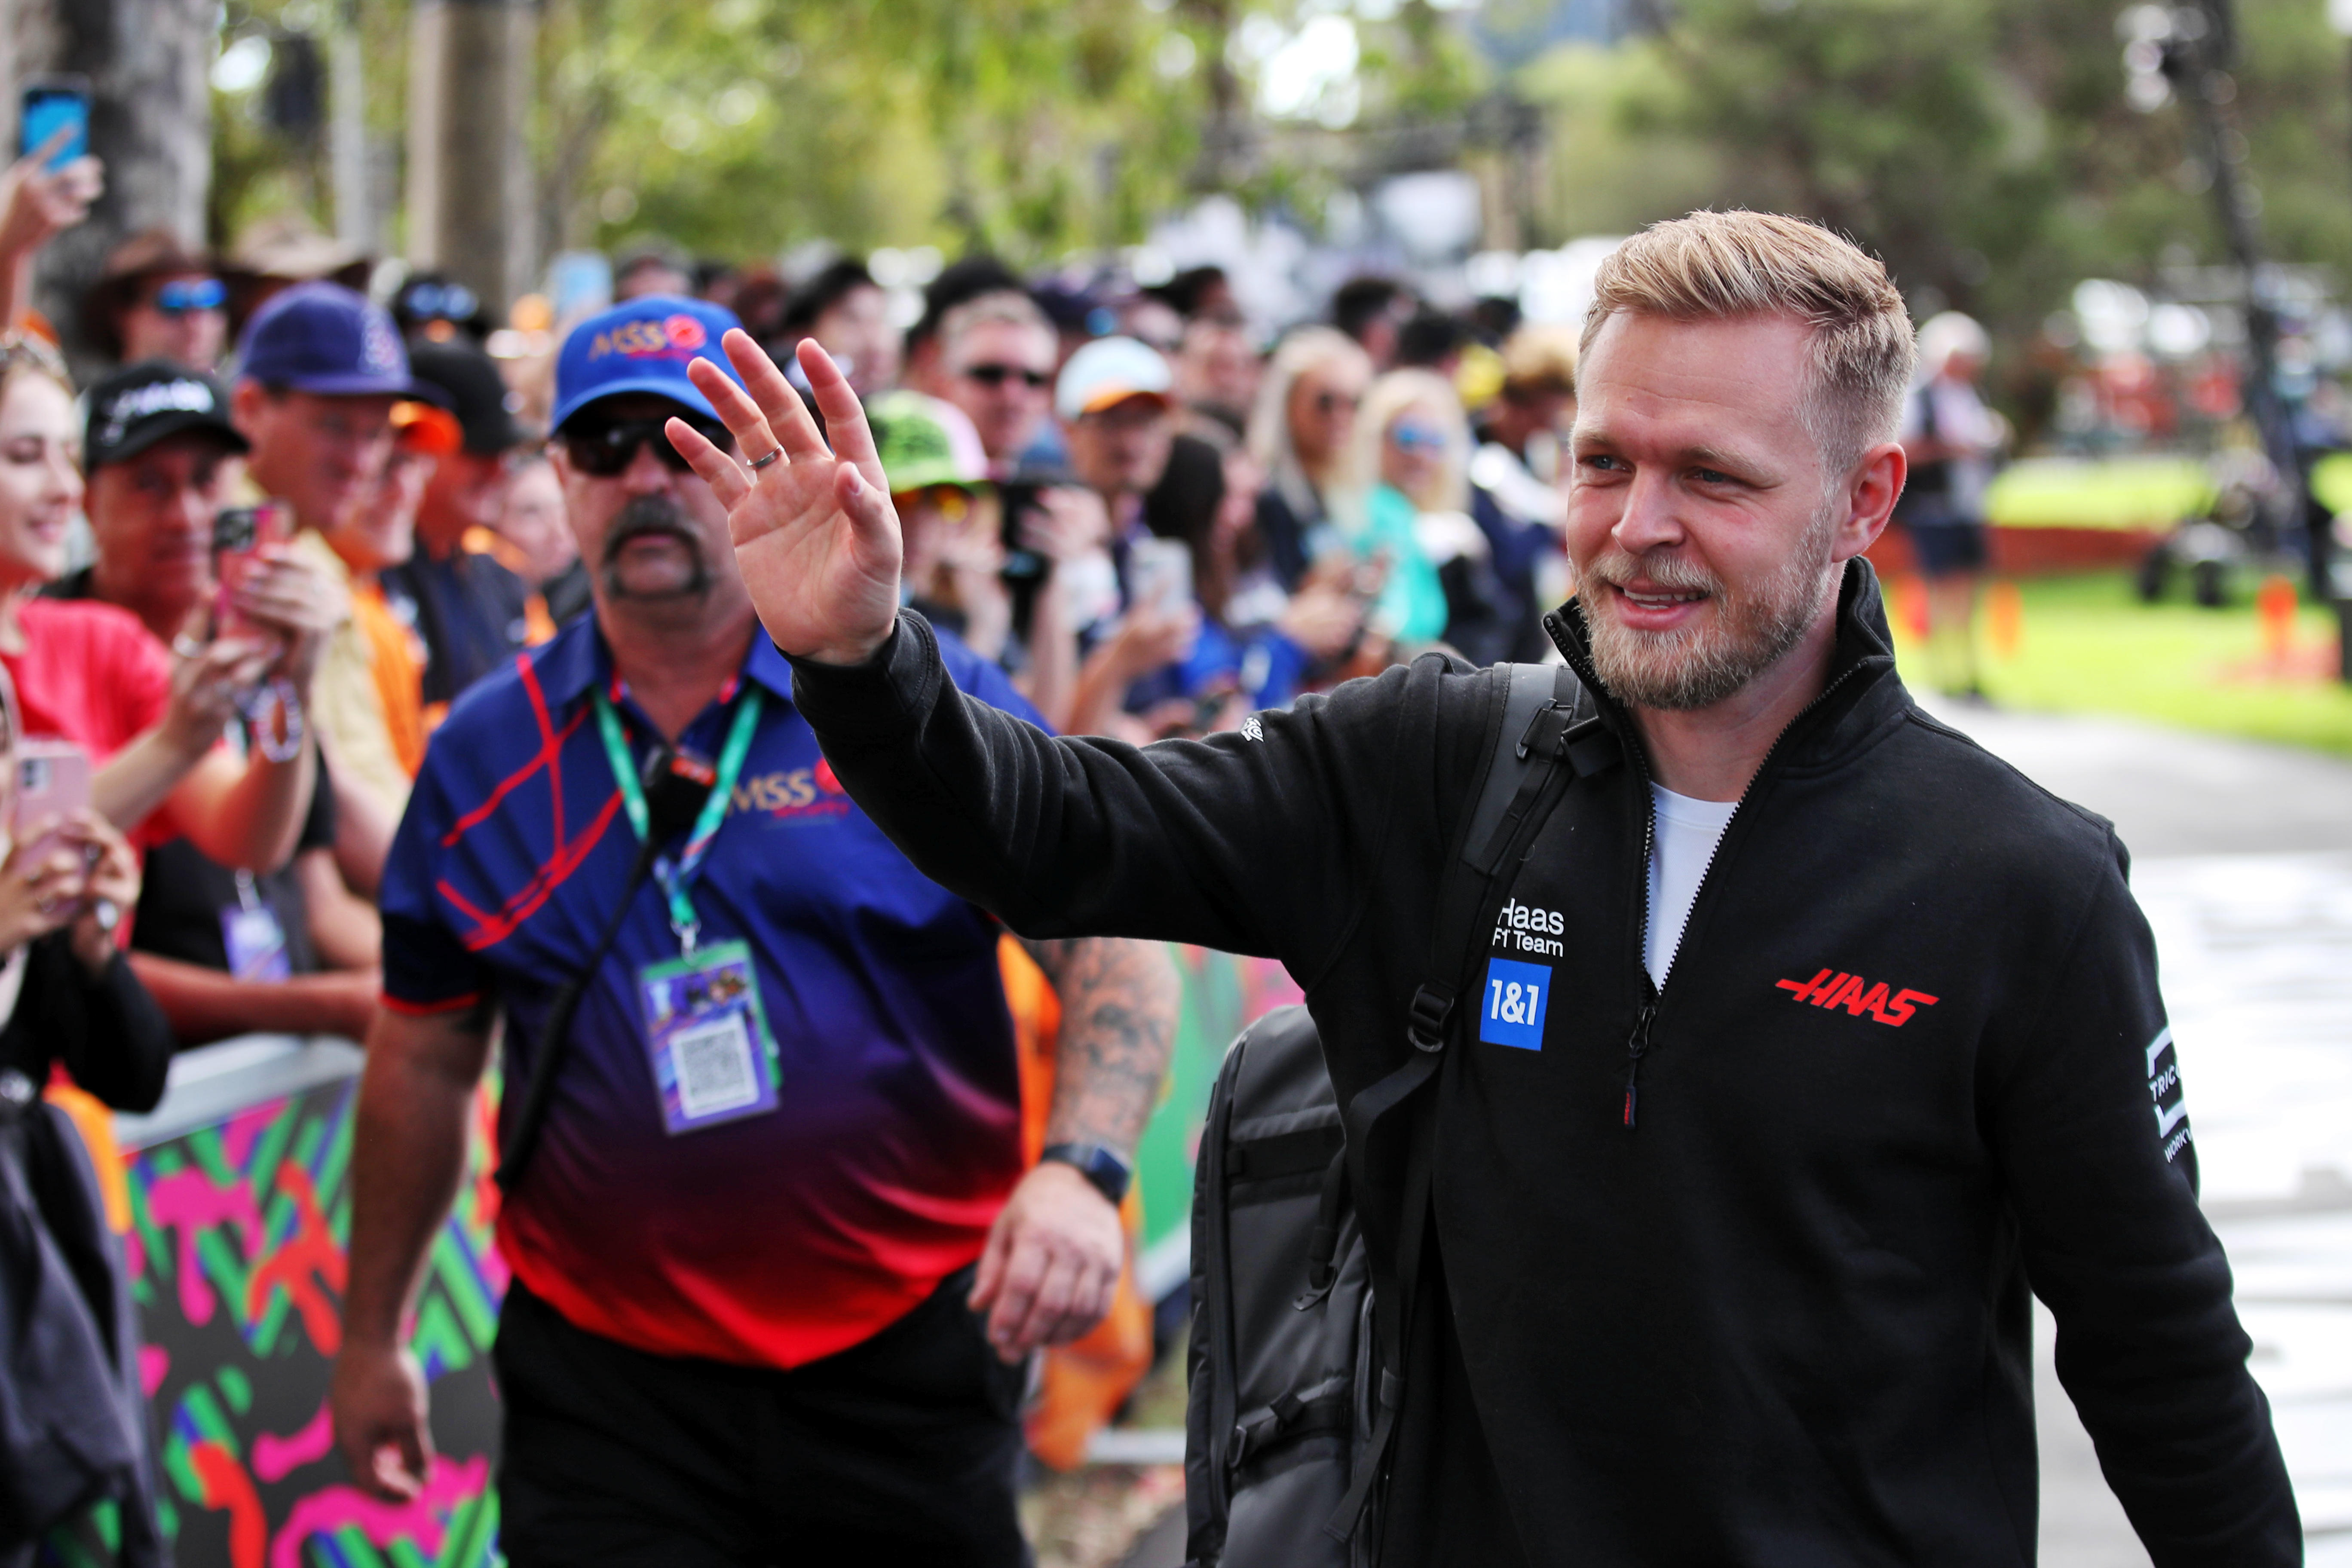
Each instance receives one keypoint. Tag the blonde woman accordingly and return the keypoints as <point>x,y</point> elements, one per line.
<point>91,674</point>
<point>1407,498</point>
<point>1298,432</point>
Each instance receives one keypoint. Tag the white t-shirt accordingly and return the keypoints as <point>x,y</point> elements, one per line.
<point>1680,849</point>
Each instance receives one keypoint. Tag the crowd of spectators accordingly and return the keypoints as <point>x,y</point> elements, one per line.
<point>1151,513</point>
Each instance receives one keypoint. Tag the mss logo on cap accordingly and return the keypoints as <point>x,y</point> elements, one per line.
<point>672,337</point>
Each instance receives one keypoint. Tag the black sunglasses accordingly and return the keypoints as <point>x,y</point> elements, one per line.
<point>606,450</point>
<point>998,374</point>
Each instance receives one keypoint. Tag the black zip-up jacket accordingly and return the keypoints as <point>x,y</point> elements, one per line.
<point>1910,1055</point>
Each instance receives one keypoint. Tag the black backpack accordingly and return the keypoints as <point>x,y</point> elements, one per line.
<point>1296,1364</point>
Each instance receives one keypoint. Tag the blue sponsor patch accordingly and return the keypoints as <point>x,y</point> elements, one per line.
<point>1511,1013</point>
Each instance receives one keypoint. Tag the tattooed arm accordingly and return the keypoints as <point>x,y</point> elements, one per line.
<point>1053,1257</point>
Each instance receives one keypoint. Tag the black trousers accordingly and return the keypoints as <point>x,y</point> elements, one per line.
<point>901,1449</point>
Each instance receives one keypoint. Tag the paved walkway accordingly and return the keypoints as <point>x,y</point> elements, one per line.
<point>2242,860</point>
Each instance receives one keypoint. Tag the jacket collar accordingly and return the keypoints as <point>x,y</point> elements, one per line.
<point>579,658</point>
<point>1862,660</point>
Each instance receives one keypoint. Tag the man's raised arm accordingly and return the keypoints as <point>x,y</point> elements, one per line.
<point>1262,841</point>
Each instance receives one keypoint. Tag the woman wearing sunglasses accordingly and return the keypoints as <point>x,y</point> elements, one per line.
<point>157,299</point>
<point>1406,497</point>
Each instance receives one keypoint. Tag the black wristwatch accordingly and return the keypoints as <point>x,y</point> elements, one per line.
<point>1108,1173</point>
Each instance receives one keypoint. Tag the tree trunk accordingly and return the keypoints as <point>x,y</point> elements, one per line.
<point>150,120</point>
<point>470,199</point>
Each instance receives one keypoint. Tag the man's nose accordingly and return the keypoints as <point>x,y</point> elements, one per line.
<point>1650,521</point>
<point>646,472</point>
<point>192,512</point>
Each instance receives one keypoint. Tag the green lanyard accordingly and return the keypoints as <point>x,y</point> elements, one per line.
<point>676,880</point>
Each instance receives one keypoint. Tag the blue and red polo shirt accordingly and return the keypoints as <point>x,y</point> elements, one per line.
<point>771,1240</point>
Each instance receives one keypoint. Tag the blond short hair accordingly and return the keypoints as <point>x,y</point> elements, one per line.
<point>1539,360</point>
<point>1008,307</point>
<point>1715,266</point>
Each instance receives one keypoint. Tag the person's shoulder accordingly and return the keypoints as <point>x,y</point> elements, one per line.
<point>93,628</point>
<point>510,704</point>
<point>1989,799</point>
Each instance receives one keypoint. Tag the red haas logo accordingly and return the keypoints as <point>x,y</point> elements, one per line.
<point>1832,988</point>
<point>684,331</point>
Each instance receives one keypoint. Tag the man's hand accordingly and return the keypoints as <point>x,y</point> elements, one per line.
<point>206,686</point>
<point>1052,1263</point>
<point>377,1400</point>
<point>299,601</point>
<point>815,536</point>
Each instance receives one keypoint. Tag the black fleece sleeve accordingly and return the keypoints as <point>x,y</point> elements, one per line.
<point>122,1049</point>
<point>1261,841</point>
<point>2091,1129</point>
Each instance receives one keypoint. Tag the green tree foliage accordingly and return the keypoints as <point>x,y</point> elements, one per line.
<point>1983,147</point>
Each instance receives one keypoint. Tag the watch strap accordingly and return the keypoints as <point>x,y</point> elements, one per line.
<point>1110,1174</point>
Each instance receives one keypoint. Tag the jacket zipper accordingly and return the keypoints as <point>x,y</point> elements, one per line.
<point>1637,1043</point>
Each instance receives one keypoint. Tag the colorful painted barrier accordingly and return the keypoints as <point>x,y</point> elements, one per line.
<point>239,1198</point>
<point>239,1204</point>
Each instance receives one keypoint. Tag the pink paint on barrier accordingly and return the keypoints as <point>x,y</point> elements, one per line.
<point>421,1522</point>
<point>154,1366</point>
<point>191,1201</point>
<point>239,1135</point>
<point>276,1457</point>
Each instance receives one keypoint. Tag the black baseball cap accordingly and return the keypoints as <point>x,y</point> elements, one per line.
<point>133,409</point>
<point>476,393</point>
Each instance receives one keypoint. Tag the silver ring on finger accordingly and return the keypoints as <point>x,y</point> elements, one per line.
<point>758,463</point>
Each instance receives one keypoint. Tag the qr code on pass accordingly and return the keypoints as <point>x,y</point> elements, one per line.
<point>714,1067</point>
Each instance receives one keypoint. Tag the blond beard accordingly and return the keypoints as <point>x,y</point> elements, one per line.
<point>1698,666</point>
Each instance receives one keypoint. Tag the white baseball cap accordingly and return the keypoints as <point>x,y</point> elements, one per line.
<point>1109,371</point>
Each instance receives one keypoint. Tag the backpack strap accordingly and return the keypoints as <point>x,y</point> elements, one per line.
<point>1546,719</point>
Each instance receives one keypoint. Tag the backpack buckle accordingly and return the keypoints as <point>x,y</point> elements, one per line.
<point>1547,743</point>
<point>1426,1019</point>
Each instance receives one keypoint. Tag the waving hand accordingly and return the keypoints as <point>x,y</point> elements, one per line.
<point>815,537</point>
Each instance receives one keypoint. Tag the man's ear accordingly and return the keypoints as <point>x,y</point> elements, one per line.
<point>1870,493</point>
<point>245,401</point>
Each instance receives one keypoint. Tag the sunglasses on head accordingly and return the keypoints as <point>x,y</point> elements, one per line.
<point>998,374</point>
<point>607,450</point>
<point>441,301</point>
<point>179,298</point>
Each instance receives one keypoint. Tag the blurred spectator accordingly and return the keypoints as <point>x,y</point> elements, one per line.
<point>321,371</point>
<point>1151,321</point>
<point>472,613</point>
<point>1407,501</point>
<point>761,298</point>
<point>959,281</point>
<point>154,299</point>
<point>849,316</point>
<point>1114,399</point>
<point>1518,496</point>
<point>1432,340</point>
<point>437,308</point>
<point>652,265</point>
<point>953,551</point>
<point>1951,440</point>
<point>278,251</point>
<point>1200,292</point>
<point>1494,317</point>
<point>1298,432</point>
<point>534,525</point>
<point>1217,374</point>
<point>1078,315</point>
<point>996,364</point>
<point>1373,310</point>
<point>77,1426</point>
<point>91,674</point>
<point>223,951</point>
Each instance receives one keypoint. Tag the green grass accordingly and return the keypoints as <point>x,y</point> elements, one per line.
<point>2086,644</point>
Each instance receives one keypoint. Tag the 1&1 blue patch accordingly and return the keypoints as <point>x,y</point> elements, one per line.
<point>1512,1013</point>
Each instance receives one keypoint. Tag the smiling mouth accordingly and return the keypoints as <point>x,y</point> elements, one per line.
<point>1661,600</point>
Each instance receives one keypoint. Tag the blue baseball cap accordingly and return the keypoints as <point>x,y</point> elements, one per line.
<point>642,345</point>
<point>324,338</point>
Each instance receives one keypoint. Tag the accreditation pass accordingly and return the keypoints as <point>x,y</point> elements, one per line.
<point>713,1059</point>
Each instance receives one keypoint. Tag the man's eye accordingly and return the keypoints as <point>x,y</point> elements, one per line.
<point>1711,476</point>
<point>1599,462</point>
